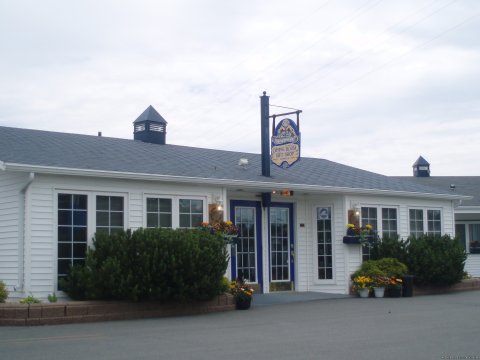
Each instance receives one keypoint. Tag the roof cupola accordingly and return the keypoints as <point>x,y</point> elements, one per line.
<point>421,168</point>
<point>150,127</point>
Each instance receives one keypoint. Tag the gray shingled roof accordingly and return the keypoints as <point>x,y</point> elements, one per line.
<point>62,150</point>
<point>465,185</point>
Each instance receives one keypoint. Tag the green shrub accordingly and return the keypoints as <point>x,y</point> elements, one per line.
<point>392,267</point>
<point>389,247</point>
<point>52,298</point>
<point>161,264</point>
<point>369,269</point>
<point>3,292</point>
<point>386,267</point>
<point>436,260</point>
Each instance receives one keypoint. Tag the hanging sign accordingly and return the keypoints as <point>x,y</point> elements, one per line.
<point>285,144</point>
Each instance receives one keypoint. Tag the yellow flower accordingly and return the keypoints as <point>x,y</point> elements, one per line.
<point>368,227</point>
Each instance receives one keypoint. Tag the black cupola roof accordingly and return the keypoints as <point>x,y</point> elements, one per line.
<point>150,127</point>
<point>421,167</point>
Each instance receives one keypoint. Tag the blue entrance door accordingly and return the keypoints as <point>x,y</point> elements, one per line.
<point>246,257</point>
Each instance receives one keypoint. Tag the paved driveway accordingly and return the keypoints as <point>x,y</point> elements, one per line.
<point>424,327</point>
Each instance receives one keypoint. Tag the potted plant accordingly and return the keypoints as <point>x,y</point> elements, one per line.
<point>358,235</point>
<point>395,287</point>
<point>379,284</point>
<point>362,284</point>
<point>242,293</point>
<point>226,228</point>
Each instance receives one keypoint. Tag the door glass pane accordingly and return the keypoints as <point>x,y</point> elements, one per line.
<point>246,248</point>
<point>280,248</point>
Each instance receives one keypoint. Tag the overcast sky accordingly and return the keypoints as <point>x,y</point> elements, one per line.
<point>379,82</point>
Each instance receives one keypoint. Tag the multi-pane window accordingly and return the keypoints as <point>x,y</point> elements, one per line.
<point>474,238</point>
<point>469,236</point>
<point>389,222</point>
<point>109,214</point>
<point>191,213</point>
<point>324,243</point>
<point>416,222</point>
<point>72,232</point>
<point>369,216</point>
<point>159,212</point>
<point>434,222</point>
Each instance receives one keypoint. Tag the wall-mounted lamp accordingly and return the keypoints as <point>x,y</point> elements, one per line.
<point>219,202</point>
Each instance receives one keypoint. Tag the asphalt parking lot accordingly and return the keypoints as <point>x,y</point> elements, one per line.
<point>422,327</point>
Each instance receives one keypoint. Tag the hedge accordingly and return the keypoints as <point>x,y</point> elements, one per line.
<point>432,259</point>
<point>157,264</point>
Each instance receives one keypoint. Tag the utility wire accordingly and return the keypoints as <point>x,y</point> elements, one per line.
<point>391,61</point>
<point>330,63</point>
<point>368,5</point>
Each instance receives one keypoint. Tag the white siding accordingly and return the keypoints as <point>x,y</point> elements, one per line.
<point>306,258</point>
<point>472,265</point>
<point>41,234</point>
<point>41,250</point>
<point>11,216</point>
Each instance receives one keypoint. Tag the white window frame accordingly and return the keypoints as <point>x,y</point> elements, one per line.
<point>379,207</point>
<point>125,208</point>
<point>175,206</point>
<point>91,218</point>
<point>425,218</point>
<point>157,196</point>
<point>467,233</point>
<point>316,280</point>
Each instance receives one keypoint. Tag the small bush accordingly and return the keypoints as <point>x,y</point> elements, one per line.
<point>30,300</point>
<point>368,269</point>
<point>160,264</point>
<point>3,292</point>
<point>52,298</point>
<point>386,267</point>
<point>436,260</point>
<point>224,285</point>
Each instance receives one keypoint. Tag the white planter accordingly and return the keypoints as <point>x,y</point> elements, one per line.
<point>379,292</point>
<point>363,292</point>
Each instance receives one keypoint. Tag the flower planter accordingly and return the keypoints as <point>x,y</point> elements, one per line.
<point>351,239</point>
<point>243,304</point>
<point>379,292</point>
<point>363,293</point>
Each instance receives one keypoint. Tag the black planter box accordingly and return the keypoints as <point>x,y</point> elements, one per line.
<point>351,240</point>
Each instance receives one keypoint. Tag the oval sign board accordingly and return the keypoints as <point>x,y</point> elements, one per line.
<point>285,144</point>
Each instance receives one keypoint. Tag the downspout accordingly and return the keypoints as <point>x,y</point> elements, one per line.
<point>25,230</point>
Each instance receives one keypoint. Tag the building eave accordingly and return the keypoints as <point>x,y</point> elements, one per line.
<point>228,183</point>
